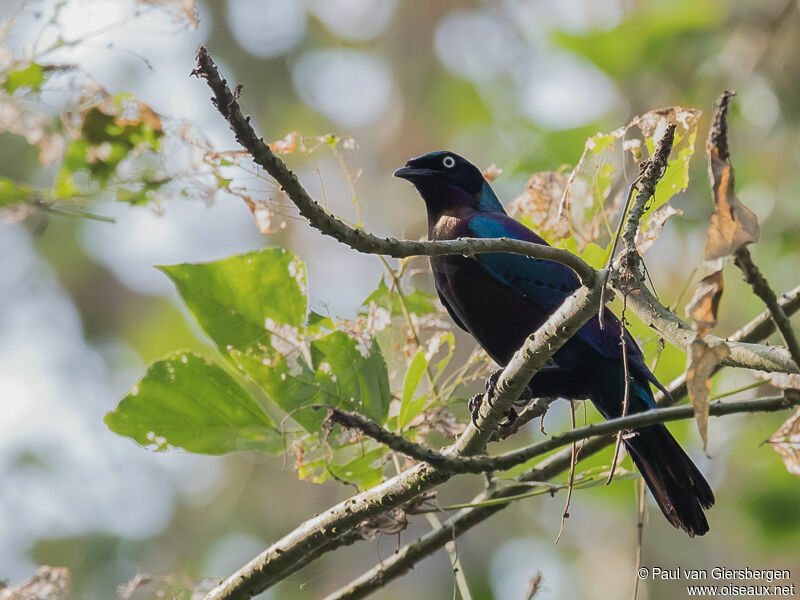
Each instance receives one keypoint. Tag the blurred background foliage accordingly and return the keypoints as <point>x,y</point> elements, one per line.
<point>521,84</point>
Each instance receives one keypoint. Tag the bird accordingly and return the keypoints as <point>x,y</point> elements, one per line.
<point>501,298</point>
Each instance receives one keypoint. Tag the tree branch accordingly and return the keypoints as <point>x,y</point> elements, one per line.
<point>509,460</point>
<point>329,225</point>
<point>680,334</point>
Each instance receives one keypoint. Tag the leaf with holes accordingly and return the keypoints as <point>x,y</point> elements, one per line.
<point>703,358</point>
<point>246,299</point>
<point>334,370</point>
<point>189,402</point>
<point>786,442</point>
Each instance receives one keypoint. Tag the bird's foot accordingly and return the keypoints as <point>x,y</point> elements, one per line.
<point>525,398</point>
<point>491,385</point>
<point>474,406</point>
<point>511,418</point>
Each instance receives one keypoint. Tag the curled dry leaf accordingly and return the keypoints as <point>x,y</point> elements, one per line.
<point>646,236</point>
<point>783,381</point>
<point>786,442</point>
<point>540,203</point>
<point>702,360</point>
<point>492,172</point>
<point>49,583</point>
<point>733,224</point>
<point>288,144</point>
<point>704,304</point>
<point>653,123</point>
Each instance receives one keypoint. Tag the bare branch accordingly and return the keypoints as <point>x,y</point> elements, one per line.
<point>319,218</point>
<point>405,558</point>
<point>509,460</point>
<point>680,334</point>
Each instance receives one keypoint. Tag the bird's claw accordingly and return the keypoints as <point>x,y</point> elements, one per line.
<point>474,406</point>
<point>511,416</point>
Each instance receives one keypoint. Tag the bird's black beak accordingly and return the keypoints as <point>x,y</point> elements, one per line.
<point>405,172</point>
<point>409,172</point>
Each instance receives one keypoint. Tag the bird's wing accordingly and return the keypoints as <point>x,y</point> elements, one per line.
<point>547,284</point>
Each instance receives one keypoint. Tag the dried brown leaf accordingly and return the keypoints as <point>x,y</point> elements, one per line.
<point>783,381</point>
<point>733,224</point>
<point>540,203</point>
<point>702,360</point>
<point>49,583</point>
<point>704,304</point>
<point>653,123</point>
<point>646,237</point>
<point>288,144</point>
<point>492,172</point>
<point>786,442</point>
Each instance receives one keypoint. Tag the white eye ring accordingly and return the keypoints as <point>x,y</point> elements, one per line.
<point>449,162</point>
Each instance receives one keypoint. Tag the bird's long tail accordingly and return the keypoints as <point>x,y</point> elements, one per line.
<point>679,489</point>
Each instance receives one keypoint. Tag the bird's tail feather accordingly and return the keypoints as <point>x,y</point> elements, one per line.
<point>678,487</point>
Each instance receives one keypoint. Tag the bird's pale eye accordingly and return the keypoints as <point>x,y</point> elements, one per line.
<point>449,162</point>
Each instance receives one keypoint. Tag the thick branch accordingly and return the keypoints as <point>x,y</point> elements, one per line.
<point>680,334</point>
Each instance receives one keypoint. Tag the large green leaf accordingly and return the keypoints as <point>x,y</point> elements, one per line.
<point>240,300</point>
<point>335,371</point>
<point>192,403</point>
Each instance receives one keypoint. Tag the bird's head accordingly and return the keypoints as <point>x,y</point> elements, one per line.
<point>446,180</point>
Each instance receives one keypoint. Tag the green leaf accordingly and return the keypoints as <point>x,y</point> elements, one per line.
<point>417,302</point>
<point>351,463</point>
<point>236,299</point>
<point>31,76</point>
<point>192,403</point>
<point>409,407</point>
<point>335,371</point>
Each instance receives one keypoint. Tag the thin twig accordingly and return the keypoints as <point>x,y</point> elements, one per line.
<point>650,173</point>
<point>626,394</point>
<point>508,460</point>
<point>571,477</point>
<point>762,289</point>
<point>641,494</point>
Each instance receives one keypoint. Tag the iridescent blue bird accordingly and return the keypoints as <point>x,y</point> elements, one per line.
<point>500,298</point>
